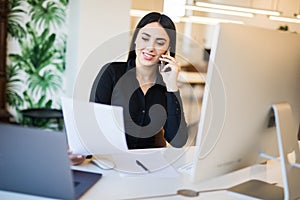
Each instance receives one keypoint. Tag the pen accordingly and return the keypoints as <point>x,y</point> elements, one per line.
<point>142,165</point>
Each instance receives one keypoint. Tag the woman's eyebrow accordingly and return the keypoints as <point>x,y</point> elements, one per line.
<point>146,34</point>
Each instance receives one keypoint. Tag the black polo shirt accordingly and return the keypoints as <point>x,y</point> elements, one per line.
<point>116,84</point>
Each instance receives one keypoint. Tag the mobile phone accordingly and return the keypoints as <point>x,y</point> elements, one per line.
<point>165,63</point>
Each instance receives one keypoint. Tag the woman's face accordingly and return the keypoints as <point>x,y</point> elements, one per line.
<point>151,42</point>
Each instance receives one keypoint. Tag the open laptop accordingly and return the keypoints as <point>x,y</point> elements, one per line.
<point>35,161</point>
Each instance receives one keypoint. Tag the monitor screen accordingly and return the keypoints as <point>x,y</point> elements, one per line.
<point>250,69</point>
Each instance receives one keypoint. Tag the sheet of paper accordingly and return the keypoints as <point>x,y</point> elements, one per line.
<point>94,128</point>
<point>154,161</point>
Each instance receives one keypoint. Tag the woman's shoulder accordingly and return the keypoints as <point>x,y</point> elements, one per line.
<point>114,69</point>
<point>116,65</point>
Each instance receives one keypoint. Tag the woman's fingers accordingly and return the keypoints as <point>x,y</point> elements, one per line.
<point>76,159</point>
<point>172,64</point>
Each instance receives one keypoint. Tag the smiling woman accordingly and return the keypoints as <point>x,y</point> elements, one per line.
<point>153,113</point>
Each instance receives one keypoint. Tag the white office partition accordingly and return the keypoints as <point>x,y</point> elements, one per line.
<point>92,25</point>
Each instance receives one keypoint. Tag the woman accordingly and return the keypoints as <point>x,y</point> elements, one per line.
<point>146,86</point>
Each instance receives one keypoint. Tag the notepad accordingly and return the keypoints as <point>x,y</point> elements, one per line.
<point>154,161</point>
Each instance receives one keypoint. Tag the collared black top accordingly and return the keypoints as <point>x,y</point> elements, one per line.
<point>145,115</point>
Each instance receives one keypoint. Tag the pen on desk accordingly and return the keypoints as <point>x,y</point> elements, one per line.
<point>142,165</point>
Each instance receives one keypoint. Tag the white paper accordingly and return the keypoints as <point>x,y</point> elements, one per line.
<point>94,128</point>
<point>154,161</point>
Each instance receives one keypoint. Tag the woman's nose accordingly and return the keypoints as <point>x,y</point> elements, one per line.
<point>150,49</point>
<point>151,46</point>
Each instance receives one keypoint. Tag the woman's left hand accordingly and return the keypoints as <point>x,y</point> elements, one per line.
<point>170,72</point>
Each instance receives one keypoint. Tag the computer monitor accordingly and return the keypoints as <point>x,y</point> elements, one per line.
<point>250,69</point>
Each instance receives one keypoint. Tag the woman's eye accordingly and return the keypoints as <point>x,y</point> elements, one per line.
<point>145,39</point>
<point>161,43</point>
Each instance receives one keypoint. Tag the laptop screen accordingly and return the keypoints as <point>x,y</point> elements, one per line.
<point>35,161</point>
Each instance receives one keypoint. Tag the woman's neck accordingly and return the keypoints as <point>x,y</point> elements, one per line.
<point>146,73</point>
<point>146,77</point>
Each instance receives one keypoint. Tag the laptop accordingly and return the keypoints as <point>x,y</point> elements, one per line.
<point>35,161</point>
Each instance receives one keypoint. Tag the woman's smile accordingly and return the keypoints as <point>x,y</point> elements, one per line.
<point>147,56</point>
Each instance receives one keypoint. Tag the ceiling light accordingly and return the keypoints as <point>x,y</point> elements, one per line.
<point>218,11</point>
<point>284,19</point>
<point>298,16</point>
<point>236,8</point>
<point>190,19</point>
<point>208,20</point>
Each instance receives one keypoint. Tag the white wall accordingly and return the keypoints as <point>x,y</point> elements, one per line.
<point>98,32</point>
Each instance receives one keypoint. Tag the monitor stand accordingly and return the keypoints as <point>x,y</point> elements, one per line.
<point>287,130</point>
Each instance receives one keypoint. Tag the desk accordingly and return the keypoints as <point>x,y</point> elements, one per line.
<point>112,186</point>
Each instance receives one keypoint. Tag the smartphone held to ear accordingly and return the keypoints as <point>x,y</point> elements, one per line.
<point>162,63</point>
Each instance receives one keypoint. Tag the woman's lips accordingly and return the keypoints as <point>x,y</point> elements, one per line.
<point>147,56</point>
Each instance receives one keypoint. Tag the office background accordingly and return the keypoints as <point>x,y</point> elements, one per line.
<point>75,31</point>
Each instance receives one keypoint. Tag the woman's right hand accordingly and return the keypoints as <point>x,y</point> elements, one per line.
<point>76,159</point>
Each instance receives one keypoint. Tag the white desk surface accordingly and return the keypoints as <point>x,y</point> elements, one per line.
<point>113,186</point>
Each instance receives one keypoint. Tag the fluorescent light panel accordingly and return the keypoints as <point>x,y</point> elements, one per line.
<point>218,11</point>
<point>284,19</point>
<point>190,19</point>
<point>236,8</point>
<point>207,20</point>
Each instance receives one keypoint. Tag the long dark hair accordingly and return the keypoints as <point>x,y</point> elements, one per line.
<point>164,21</point>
